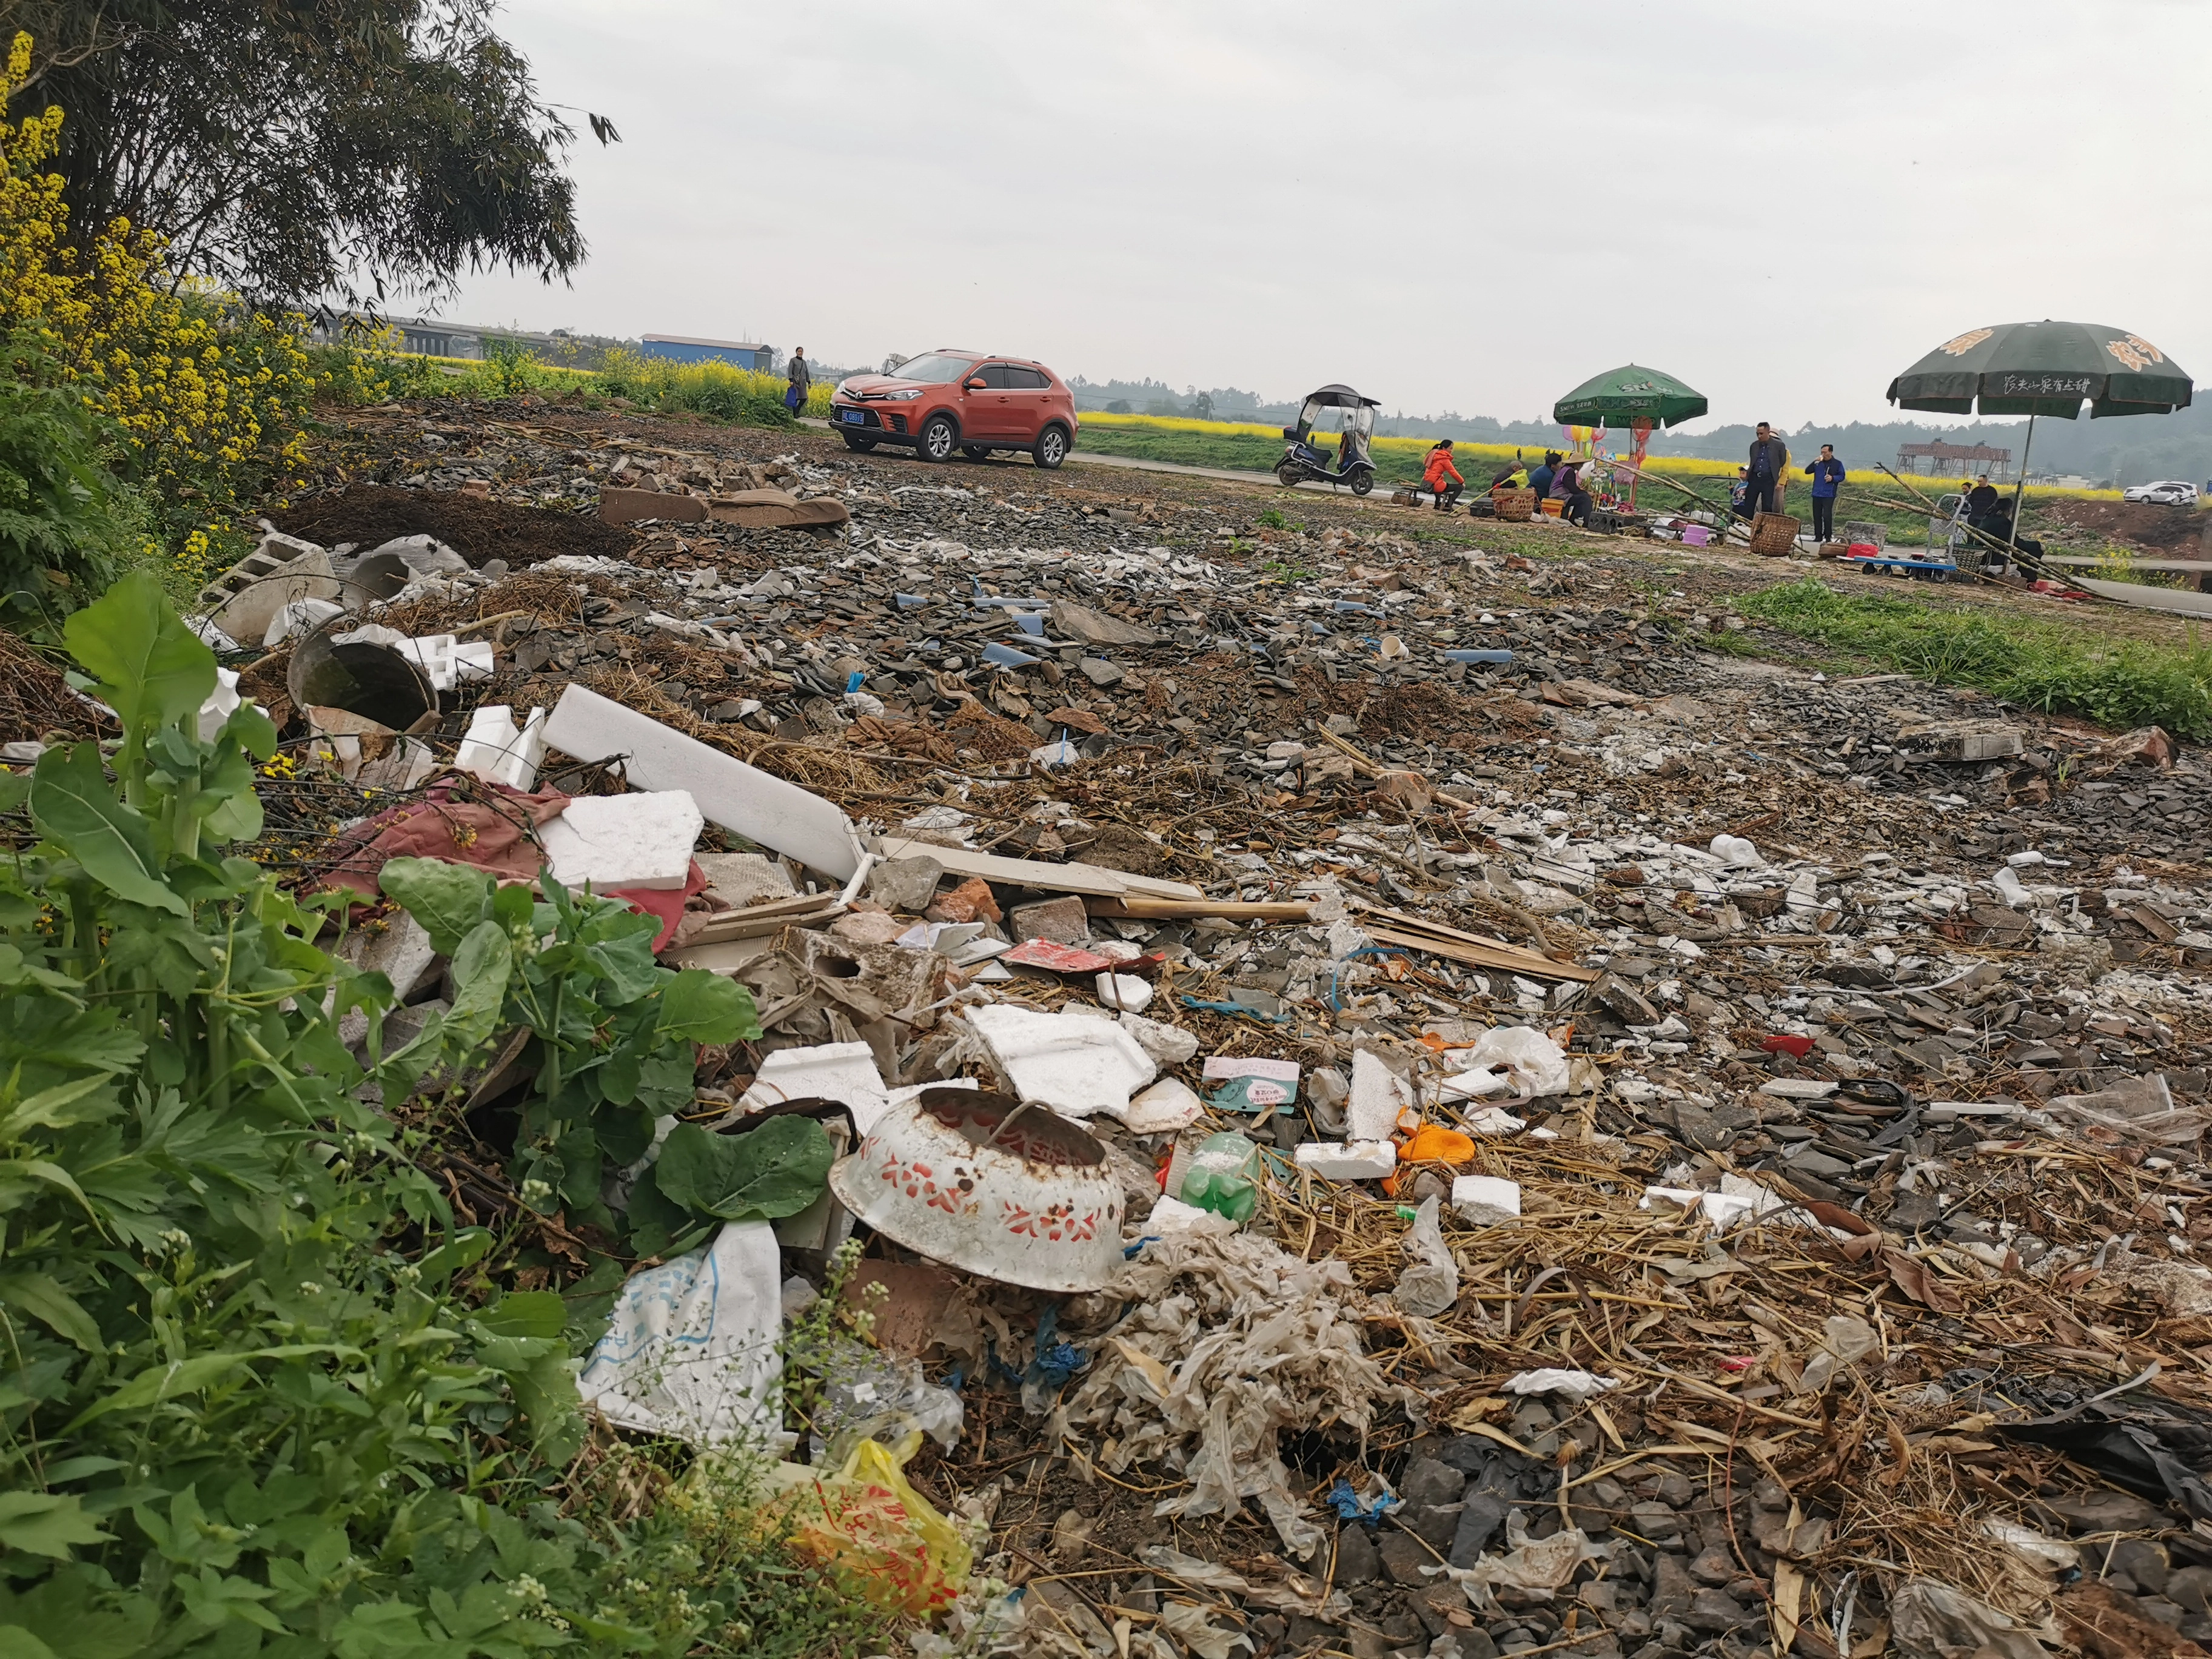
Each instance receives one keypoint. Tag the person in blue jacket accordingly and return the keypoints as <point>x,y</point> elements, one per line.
<point>1828,476</point>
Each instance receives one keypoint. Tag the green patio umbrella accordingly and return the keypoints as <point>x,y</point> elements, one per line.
<point>1632,395</point>
<point>2043,369</point>
<point>1628,394</point>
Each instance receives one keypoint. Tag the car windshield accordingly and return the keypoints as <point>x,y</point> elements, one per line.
<point>934,368</point>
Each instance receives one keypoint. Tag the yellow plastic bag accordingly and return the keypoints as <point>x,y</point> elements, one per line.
<point>866,1519</point>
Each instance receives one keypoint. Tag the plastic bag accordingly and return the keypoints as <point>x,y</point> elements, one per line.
<point>1535,1064</point>
<point>1429,1285</point>
<point>1224,1176</point>
<point>866,1391</point>
<point>866,1519</point>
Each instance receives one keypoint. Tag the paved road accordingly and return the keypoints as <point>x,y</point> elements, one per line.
<point>1085,457</point>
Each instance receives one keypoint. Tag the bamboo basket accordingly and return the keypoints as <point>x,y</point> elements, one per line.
<point>1773,534</point>
<point>1515,506</point>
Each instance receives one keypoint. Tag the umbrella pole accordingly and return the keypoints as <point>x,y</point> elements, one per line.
<point>2020,487</point>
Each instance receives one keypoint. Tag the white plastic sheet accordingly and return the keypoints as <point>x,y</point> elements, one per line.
<point>1429,1286</point>
<point>690,1347</point>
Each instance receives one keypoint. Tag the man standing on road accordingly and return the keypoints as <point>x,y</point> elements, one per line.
<point>1770,460</point>
<point>1827,477</point>
<point>795,395</point>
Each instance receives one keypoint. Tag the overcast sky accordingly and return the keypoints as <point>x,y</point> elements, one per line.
<point>1461,206</point>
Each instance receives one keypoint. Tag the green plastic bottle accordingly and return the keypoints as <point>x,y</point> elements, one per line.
<point>1225,1177</point>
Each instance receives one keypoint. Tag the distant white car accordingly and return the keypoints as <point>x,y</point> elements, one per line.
<point>2166,492</point>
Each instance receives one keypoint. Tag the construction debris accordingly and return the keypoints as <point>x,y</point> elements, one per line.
<point>1688,1157</point>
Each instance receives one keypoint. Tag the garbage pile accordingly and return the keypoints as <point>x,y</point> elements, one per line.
<point>1387,1101</point>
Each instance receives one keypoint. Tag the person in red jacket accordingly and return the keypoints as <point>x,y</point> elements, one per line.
<point>1438,469</point>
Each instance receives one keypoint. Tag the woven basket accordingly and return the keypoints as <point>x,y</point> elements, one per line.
<point>1515,506</point>
<point>1773,534</point>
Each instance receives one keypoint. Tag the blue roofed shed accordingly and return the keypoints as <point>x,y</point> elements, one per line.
<point>684,348</point>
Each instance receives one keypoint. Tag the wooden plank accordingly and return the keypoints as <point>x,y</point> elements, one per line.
<point>1089,880</point>
<point>1160,909</point>
<point>1505,958</point>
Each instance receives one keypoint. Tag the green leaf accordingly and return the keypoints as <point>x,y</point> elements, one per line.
<point>447,899</point>
<point>42,1524</point>
<point>14,789</point>
<point>697,1007</point>
<point>482,967</point>
<point>227,799</point>
<point>40,1296</point>
<point>153,670</point>
<point>466,1249</point>
<point>527,1313</point>
<point>775,1170</point>
<point>164,1383</point>
<point>75,808</point>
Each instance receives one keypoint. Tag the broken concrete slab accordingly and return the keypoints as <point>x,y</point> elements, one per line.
<point>905,884</point>
<point>1072,620</point>
<point>741,798</point>
<point>1061,920</point>
<point>283,570</point>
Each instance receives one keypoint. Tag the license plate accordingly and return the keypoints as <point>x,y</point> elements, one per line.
<point>854,417</point>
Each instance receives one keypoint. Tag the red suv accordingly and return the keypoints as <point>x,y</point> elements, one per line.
<point>964,400</point>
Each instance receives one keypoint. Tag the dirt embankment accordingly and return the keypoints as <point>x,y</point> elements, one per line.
<point>2175,530</point>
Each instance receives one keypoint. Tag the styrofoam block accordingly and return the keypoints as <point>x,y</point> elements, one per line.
<point>624,841</point>
<point>1347,1160</point>
<point>754,804</point>
<point>297,617</point>
<point>495,749</point>
<point>1125,992</point>
<point>1486,1201</point>
<point>222,703</point>
<point>843,1072</point>
<point>1074,1065</point>
<point>1378,1095</point>
<point>1168,1104</point>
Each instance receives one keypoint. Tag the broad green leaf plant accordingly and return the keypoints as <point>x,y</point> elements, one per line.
<point>257,1393</point>
<point>613,1035</point>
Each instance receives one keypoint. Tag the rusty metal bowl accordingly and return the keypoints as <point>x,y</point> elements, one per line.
<point>986,1184</point>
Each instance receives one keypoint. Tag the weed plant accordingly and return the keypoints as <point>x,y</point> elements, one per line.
<point>2045,666</point>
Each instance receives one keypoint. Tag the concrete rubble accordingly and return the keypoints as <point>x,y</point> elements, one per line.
<point>1732,1176</point>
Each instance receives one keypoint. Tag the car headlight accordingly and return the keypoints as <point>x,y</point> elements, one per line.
<point>906,396</point>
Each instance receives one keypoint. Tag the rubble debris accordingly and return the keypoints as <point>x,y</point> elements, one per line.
<point>1705,1140</point>
<point>738,797</point>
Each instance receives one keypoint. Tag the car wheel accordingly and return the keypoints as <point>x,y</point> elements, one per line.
<point>975,452</point>
<point>1051,448</point>
<point>864,445</point>
<point>938,438</point>
<point>1362,481</point>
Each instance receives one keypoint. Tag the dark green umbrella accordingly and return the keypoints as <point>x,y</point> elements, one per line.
<point>2043,369</point>
<point>1628,394</point>
<point>1632,395</point>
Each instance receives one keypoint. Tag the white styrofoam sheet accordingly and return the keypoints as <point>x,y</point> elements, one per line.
<point>741,798</point>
